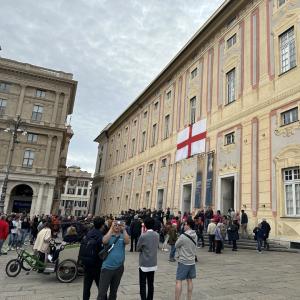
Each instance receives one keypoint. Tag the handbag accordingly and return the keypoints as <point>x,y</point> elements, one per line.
<point>107,249</point>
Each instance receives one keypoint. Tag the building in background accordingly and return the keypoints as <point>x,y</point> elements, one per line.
<point>239,72</point>
<point>76,191</point>
<point>42,99</point>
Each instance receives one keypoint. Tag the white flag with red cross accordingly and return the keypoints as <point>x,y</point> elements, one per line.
<point>191,140</point>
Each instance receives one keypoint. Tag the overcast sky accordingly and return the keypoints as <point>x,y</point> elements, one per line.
<point>114,49</point>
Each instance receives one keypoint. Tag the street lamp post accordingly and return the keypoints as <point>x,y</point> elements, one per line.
<point>14,129</point>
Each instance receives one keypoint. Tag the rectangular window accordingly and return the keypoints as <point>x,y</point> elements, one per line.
<point>117,156</point>
<point>230,82</point>
<point>32,138</point>
<point>148,204</point>
<point>3,103</point>
<point>163,162</point>
<point>37,113</point>
<point>140,171</point>
<point>124,152</point>
<point>169,95</point>
<point>167,125</point>
<point>292,191</point>
<point>143,144</point>
<point>84,192</point>
<point>287,50</point>
<point>229,138</point>
<point>100,163</point>
<point>289,116</point>
<point>79,192</point>
<point>132,147</point>
<point>28,158</point>
<point>4,87</point>
<point>193,110</point>
<point>156,105</point>
<point>154,135</point>
<point>150,167</point>
<point>231,41</point>
<point>194,73</point>
<point>145,115</point>
<point>281,2</point>
<point>40,94</point>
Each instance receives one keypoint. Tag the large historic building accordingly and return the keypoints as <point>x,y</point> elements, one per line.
<point>36,101</point>
<point>74,199</point>
<point>239,72</point>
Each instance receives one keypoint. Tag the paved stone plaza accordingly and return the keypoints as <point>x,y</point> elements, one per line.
<point>233,275</point>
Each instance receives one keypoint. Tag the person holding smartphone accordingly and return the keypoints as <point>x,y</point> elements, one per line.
<point>113,266</point>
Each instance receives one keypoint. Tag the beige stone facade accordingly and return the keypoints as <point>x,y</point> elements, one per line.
<point>43,99</point>
<point>240,72</point>
<point>76,192</point>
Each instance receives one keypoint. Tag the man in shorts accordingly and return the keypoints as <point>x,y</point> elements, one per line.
<point>186,270</point>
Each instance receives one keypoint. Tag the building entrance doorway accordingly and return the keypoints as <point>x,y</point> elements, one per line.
<point>227,194</point>
<point>186,198</point>
<point>21,199</point>
<point>160,198</point>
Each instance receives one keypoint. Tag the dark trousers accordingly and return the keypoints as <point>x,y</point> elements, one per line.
<point>109,279</point>
<point>149,277</point>
<point>234,245</point>
<point>211,238</point>
<point>200,239</point>
<point>218,246</point>
<point>90,275</point>
<point>135,240</point>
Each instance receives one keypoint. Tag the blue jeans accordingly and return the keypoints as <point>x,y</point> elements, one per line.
<point>259,244</point>
<point>24,235</point>
<point>172,251</point>
<point>13,240</point>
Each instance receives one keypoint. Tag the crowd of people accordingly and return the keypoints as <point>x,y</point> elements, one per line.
<point>143,230</point>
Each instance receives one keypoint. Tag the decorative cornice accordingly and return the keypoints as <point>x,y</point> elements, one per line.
<point>287,131</point>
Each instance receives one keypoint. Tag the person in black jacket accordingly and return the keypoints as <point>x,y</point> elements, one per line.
<point>233,234</point>
<point>244,223</point>
<point>135,231</point>
<point>92,270</point>
<point>266,228</point>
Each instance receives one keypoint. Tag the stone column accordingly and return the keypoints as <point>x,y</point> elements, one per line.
<point>64,110</point>
<point>47,155</point>
<point>49,199</point>
<point>57,153</point>
<point>21,100</point>
<point>54,113</point>
<point>39,200</point>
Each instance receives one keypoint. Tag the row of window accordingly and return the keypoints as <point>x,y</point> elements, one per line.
<point>5,87</point>
<point>71,203</point>
<point>72,191</point>
<point>37,110</point>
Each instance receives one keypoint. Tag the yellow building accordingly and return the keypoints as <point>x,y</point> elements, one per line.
<point>239,71</point>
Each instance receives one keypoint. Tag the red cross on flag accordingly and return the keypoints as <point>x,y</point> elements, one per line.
<point>191,140</point>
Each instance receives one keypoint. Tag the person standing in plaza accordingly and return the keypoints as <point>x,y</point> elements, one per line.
<point>266,228</point>
<point>244,224</point>
<point>113,266</point>
<point>172,240</point>
<point>186,269</point>
<point>90,260</point>
<point>135,231</point>
<point>147,246</point>
<point>233,234</point>
<point>4,228</point>
<point>258,236</point>
<point>211,228</point>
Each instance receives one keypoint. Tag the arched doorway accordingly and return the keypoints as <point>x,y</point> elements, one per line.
<point>21,198</point>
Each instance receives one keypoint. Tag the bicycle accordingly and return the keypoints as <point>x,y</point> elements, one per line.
<point>66,270</point>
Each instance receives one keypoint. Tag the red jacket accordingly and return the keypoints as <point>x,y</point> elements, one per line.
<point>3,230</point>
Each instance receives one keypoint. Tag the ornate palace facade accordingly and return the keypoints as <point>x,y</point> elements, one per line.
<point>42,99</point>
<point>240,72</point>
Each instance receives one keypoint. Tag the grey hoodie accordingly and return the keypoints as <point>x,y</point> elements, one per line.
<point>186,248</point>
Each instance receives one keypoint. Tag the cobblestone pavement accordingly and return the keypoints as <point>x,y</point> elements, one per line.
<point>233,275</point>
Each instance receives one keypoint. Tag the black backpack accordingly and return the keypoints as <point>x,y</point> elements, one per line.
<point>88,252</point>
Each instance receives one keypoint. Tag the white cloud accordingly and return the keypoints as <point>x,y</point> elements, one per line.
<point>114,48</point>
